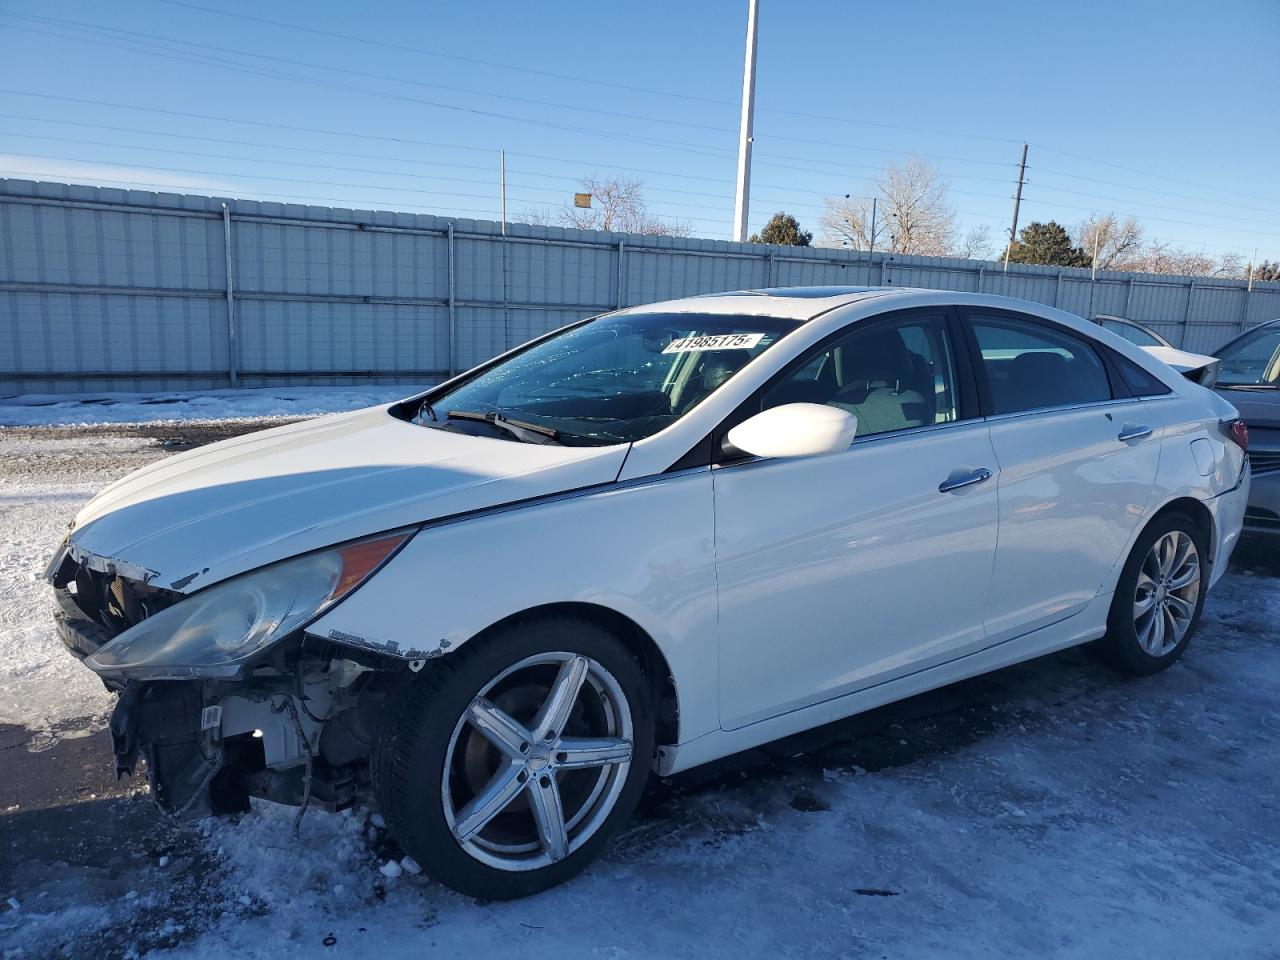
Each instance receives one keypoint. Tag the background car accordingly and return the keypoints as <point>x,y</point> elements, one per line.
<point>1250,378</point>
<point>1196,367</point>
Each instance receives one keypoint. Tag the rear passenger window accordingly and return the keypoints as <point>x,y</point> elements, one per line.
<point>890,375</point>
<point>1139,381</point>
<point>1032,367</point>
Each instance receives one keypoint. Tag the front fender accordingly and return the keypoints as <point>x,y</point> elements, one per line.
<point>644,550</point>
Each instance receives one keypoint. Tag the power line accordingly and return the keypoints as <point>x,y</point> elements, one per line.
<point>1163,193</point>
<point>590,81</point>
<point>1148,203</point>
<point>276,74</point>
<point>332,68</point>
<point>321,166</point>
<point>597,82</point>
<point>1148,173</point>
<point>203,59</point>
<point>582,162</point>
<point>449,56</point>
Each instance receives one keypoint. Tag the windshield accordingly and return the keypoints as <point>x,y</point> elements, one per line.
<point>613,380</point>
<point>1253,360</point>
<point>1140,336</point>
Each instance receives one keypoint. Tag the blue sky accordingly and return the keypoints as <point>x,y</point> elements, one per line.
<point>1160,110</point>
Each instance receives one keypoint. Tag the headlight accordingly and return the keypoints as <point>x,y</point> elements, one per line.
<point>214,633</point>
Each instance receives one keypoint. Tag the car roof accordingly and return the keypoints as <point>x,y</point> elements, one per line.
<point>793,303</point>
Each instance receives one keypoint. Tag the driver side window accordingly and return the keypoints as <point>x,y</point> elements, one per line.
<point>892,375</point>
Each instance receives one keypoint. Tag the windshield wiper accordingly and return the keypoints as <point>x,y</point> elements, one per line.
<point>520,429</point>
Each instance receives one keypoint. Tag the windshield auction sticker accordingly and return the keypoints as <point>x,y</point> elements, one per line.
<point>722,341</point>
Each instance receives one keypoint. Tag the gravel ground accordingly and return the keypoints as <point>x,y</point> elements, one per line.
<point>1050,809</point>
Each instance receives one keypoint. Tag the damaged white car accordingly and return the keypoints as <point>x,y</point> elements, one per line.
<point>640,543</point>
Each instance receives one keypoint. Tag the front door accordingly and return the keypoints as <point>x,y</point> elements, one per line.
<point>839,572</point>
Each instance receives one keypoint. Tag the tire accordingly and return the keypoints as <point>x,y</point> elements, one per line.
<point>467,726</point>
<point>1142,643</point>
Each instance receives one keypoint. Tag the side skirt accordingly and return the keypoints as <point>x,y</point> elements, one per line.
<point>1046,640</point>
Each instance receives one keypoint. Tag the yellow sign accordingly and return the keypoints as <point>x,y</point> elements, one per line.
<point>582,200</point>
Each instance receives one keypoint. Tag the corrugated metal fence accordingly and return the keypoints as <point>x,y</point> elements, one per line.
<point>107,289</point>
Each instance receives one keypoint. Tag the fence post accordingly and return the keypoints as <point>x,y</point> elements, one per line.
<point>1186,314</point>
<point>768,270</point>
<point>622,276</point>
<point>1057,290</point>
<point>453,317</point>
<point>982,272</point>
<point>1244,309</point>
<point>1128,299</point>
<point>233,365</point>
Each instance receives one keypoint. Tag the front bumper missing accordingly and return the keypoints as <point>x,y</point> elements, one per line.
<point>210,746</point>
<point>181,741</point>
<point>78,633</point>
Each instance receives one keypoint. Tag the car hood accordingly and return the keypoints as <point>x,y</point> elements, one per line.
<point>1258,408</point>
<point>190,520</point>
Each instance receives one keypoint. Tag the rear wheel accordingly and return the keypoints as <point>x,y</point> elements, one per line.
<point>1158,598</point>
<point>507,767</point>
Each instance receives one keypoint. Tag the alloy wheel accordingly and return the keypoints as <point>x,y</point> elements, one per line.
<point>1167,592</point>
<point>537,761</point>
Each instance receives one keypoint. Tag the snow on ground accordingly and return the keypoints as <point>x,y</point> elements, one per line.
<point>43,482</point>
<point>1099,819</point>
<point>77,409</point>
<point>1072,815</point>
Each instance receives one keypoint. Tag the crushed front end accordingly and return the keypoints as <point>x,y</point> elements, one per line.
<point>290,718</point>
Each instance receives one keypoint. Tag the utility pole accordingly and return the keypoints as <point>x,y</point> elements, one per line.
<point>1096,232</point>
<point>1017,202</point>
<point>1253,265</point>
<point>871,247</point>
<point>740,211</point>
<point>502,178</point>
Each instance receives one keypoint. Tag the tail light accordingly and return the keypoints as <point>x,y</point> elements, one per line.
<point>1238,432</point>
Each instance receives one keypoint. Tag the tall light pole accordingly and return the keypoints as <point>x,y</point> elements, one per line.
<point>740,211</point>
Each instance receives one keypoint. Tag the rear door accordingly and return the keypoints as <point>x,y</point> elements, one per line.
<point>1077,458</point>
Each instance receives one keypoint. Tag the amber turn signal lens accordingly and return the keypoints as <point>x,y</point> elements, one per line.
<point>362,558</point>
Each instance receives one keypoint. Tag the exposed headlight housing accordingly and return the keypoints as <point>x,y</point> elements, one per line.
<point>215,633</point>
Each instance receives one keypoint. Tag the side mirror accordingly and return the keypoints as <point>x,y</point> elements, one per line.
<point>795,430</point>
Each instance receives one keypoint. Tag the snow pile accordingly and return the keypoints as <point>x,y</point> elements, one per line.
<point>43,483</point>
<point>83,409</point>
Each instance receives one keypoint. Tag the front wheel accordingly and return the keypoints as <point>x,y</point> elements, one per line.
<point>506,768</point>
<point>1158,598</point>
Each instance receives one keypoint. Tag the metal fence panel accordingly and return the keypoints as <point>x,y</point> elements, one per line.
<point>107,289</point>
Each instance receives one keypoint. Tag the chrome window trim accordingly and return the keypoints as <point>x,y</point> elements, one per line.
<point>1037,411</point>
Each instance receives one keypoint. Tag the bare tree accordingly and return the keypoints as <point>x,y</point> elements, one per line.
<point>617,204</point>
<point>539,217</point>
<point>1159,256</point>
<point>913,217</point>
<point>1119,241</point>
<point>847,223</point>
<point>976,244</point>
<point>914,198</point>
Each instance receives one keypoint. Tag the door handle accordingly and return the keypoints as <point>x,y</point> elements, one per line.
<point>955,483</point>
<point>1134,431</point>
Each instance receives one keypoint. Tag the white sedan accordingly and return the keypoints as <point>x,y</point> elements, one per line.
<point>640,543</point>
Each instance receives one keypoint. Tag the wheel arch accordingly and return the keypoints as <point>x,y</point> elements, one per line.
<point>657,670</point>
<point>1182,503</point>
<point>1193,508</point>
